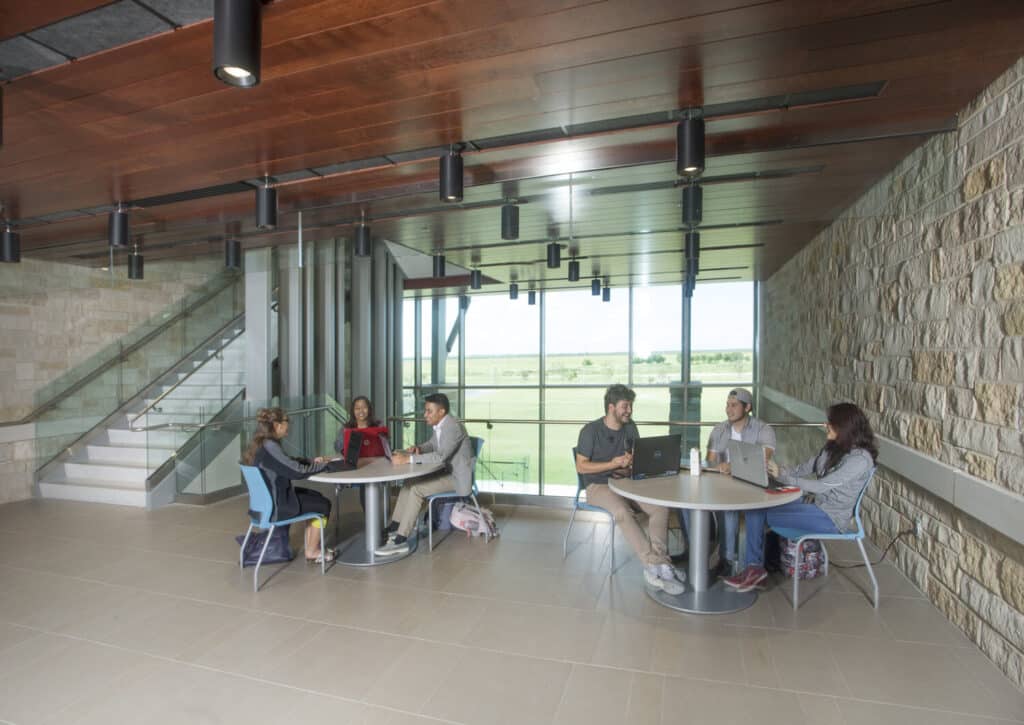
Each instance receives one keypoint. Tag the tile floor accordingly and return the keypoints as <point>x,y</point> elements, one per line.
<point>111,615</point>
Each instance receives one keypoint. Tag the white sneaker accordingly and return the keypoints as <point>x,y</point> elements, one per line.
<point>671,580</point>
<point>667,571</point>
<point>668,584</point>
<point>391,548</point>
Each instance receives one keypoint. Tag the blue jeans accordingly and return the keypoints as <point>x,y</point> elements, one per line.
<point>727,534</point>
<point>796,515</point>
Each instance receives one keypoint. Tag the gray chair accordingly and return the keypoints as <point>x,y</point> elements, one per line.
<point>478,445</point>
<point>583,506</point>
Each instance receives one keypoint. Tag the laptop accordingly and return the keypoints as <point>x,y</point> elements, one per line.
<point>656,456</point>
<point>750,464</point>
<point>386,446</point>
<point>351,459</point>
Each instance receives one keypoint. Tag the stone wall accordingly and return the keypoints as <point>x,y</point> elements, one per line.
<point>919,319</point>
<point>54,317</point>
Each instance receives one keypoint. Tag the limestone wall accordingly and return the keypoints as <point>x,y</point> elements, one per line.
<point>53,317</point>
<point>918,317</point>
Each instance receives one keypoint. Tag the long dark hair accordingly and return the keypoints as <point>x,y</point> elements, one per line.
<point>265,419</point>
<point>852,431</point>
<point>351,422</point>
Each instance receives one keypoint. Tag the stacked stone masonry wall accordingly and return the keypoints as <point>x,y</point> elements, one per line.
<point>919,319</point>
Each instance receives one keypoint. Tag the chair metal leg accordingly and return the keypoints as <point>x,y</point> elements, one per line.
<point>241,552</point>
<point>256,573</point>
<point>871,571</point>
<point>824,554</point>
<point>480,516</point>
<point>430,526</point>
<point>612,520</point>
<point>565,541</point>
<point>323,549</point>
<point>796,575</point>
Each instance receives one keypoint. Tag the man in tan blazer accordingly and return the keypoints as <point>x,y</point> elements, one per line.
<point>449,444</point>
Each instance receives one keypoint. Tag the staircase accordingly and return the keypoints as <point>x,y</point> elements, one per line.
<point>113,463</point>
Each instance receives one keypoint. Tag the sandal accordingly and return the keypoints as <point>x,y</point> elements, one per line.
<point>320,559</point>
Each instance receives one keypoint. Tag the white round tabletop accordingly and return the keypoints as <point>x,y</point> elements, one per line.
<point>377,470</point>
<point>708,492</point>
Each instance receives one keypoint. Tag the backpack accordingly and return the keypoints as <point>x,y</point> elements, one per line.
<point>465,517</point>
<point>812,561</point>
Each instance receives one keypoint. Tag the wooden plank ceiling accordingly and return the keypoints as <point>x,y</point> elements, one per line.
<point>369,81</point>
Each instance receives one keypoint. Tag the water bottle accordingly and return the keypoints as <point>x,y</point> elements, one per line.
<point>694,462</point>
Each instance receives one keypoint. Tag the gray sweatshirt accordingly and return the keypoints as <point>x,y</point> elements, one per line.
<point>836,492</point>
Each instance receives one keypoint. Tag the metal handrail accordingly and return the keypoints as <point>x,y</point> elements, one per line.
<point>704,424</point>
<point>119,358</point>
<point>205,360</point>
<point>220,424</point>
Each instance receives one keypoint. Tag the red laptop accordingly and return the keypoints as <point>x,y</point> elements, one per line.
<point>372,446</point>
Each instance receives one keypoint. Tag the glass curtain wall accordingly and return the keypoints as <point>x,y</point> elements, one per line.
<point>553,360</point>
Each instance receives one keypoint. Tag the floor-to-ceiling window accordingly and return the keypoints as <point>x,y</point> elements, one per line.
<point>552,361</point>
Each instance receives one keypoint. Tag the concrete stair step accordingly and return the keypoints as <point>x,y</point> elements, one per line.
<point>111,474</point>
<point>92,493</point>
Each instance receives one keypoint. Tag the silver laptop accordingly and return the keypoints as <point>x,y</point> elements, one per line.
<point>386,445</point>
<point>749,463</point>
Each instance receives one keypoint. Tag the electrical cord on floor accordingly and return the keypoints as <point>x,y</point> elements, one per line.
<point>880,559</point>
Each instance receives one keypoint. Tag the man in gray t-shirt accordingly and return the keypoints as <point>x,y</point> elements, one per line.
<point>605,447</point>
<point>740,425</point>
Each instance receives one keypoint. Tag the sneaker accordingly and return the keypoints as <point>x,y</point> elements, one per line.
<point>747,579</point>
<point>669,585</point>
<point>671,579</point>
<point>393,548</point>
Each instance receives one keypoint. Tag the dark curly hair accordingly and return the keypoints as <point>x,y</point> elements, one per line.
<point>265,419</point>
<point>852,431</point>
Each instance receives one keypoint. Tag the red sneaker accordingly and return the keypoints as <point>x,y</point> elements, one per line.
<point>748,579</point>
<point>738,580</point>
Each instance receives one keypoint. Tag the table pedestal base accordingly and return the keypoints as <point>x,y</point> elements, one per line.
<point>353,552</point>
<point>717,599</point>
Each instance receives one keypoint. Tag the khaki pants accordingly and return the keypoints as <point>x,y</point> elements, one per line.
<point>653,551</point>
<point>410,500</point>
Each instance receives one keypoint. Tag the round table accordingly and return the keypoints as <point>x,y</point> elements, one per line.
<point>359,550</point>
<point>701,494</point>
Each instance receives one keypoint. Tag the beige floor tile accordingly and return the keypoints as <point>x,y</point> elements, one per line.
<point>702,649</point>
<point>412,679</point>
<point>871,713</point>
<point>917,620</point>
<point>252,643</point>
<point>580,592</point>
<point>445,618</point>
<point>341,661</point>
<point>625,641</point>
<point>821,710</point>
<point>891,581</point>
<point>598,695</point>
<point>706,702</point>
<point>836,613</point>
<point>49,673</point>
<point>1004,696</point>
<point>501,689</point>
<point>11,635</point>
<point>920,675</point>
<point>790,660</point>
<point>419,571</point>
<point>539,631</point>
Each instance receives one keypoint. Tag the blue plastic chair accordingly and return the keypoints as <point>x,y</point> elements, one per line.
<point>801,536</point>
<point>577,505</point>
<point>478,445</point>
<point>261,508</point>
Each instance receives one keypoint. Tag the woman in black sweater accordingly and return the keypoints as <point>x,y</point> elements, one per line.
<point>279,470</point>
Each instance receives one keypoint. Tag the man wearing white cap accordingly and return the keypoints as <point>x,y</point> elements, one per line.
<point>740,425</point>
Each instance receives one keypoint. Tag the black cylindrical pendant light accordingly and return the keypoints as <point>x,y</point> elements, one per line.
<point>693,267</point>
<point>692,245</point>
<point>574,270</point>
<point>232,254</point>
<point>595,287</point>
<point>237,42</point>
<point>693,205</point>
<point>554,256</point>
<point>690,147</point>
<point>439,265</point>
<point>451,176</point>
<point>117,227</point>
<point>476,279</point>
<point>364,243</point>
<point>510,221</point>
<point>688,284</point>
<point>606,294</point>
<point>10,248</point>
<point>135,270</point>
<point>266,206</point>
<point>513,291</point>
<point>531,297</point>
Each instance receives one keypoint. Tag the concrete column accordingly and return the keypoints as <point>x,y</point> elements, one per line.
<point>360,316</point>
<point>325,323</point>
<point>342,393</point>
<point>379,323</point>
<point>259,275</point>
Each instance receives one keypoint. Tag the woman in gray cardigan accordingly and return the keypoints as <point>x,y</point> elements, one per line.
<point>836,476</point>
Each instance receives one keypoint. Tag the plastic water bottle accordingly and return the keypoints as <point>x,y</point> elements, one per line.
<point>694,462</point>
